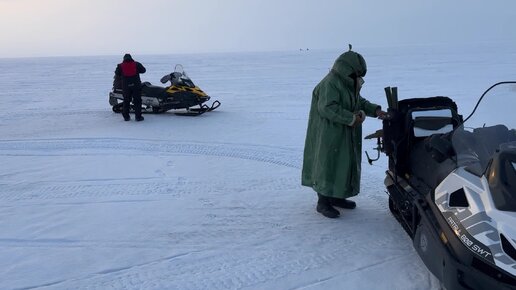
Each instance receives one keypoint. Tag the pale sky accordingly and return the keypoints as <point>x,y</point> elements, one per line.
<point>100,27</point>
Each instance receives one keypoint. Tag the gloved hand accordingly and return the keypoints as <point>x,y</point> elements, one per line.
<point>359,118</point>
<point>381,114</point>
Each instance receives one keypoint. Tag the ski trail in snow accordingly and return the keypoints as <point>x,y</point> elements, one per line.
<point>65,147</point>
<point>324,280</point>
<point>106,272</point>
<point>225,262</point>
<point>216,271</point>
<point>156,186</point>
<point>225,230</point>
<point>213,259</point>
<point>171,188</point>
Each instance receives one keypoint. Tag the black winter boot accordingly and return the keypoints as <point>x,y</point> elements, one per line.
<point>139,118</point>
<point>342,203</point>
<point>324,207</point>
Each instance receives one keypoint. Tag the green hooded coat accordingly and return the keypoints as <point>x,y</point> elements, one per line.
<point>333,146</point>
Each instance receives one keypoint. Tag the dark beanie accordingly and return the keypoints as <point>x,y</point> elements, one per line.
<point>127,57</point>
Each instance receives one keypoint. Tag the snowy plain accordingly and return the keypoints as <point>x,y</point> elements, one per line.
<point>88,201</point>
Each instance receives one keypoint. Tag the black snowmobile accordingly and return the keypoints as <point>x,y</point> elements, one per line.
<point>181,95</point>
<point>453,188</point>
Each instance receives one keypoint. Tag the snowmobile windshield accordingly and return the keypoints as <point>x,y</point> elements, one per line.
<point>485,144</point>
<point>178,77</point>
<point>179,69</point>
<point>491,125</point>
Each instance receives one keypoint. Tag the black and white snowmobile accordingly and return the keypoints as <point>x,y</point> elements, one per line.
<point>453,188</point>
<point>182,95</point>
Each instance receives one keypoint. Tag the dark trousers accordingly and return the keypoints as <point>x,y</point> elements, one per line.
<point>135,95</point>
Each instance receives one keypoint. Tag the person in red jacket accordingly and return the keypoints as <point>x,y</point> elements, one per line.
<point>129,71</point>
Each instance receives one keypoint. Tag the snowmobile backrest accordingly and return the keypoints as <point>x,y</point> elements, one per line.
<point>399,127</point>
<point>399,131</point>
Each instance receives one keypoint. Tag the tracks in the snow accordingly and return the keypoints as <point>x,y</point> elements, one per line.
<point>172,187</point>
<point>274,155</point>
<point>217,255</point>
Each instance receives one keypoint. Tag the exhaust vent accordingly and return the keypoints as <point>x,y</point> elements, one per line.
<point>458,199</point>
<point>507,247</point>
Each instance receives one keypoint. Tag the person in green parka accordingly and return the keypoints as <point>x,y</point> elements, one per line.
<point>333,145</point>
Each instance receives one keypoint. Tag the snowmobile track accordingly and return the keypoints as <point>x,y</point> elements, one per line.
<point>274,155</point>
<point>217,272</point>
<point>170,187</point>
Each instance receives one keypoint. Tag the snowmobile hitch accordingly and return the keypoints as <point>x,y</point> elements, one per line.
<point>378,135</point>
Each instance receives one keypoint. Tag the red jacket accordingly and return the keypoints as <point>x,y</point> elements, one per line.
<point>130,71</point>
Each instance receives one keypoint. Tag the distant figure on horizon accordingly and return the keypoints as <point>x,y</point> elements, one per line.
<point>333,146</point>
<point>129,71</point>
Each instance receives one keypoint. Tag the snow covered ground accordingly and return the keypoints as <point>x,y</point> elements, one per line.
<point>88,201</point>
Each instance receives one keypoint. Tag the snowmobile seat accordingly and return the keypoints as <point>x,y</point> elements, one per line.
<point>440,147</point>
<point>464,145</point>
<point>431,167</point>
<point>475,150</point>
<point>150,90</point>
<point>491,137</point>
<point>488,141</point>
